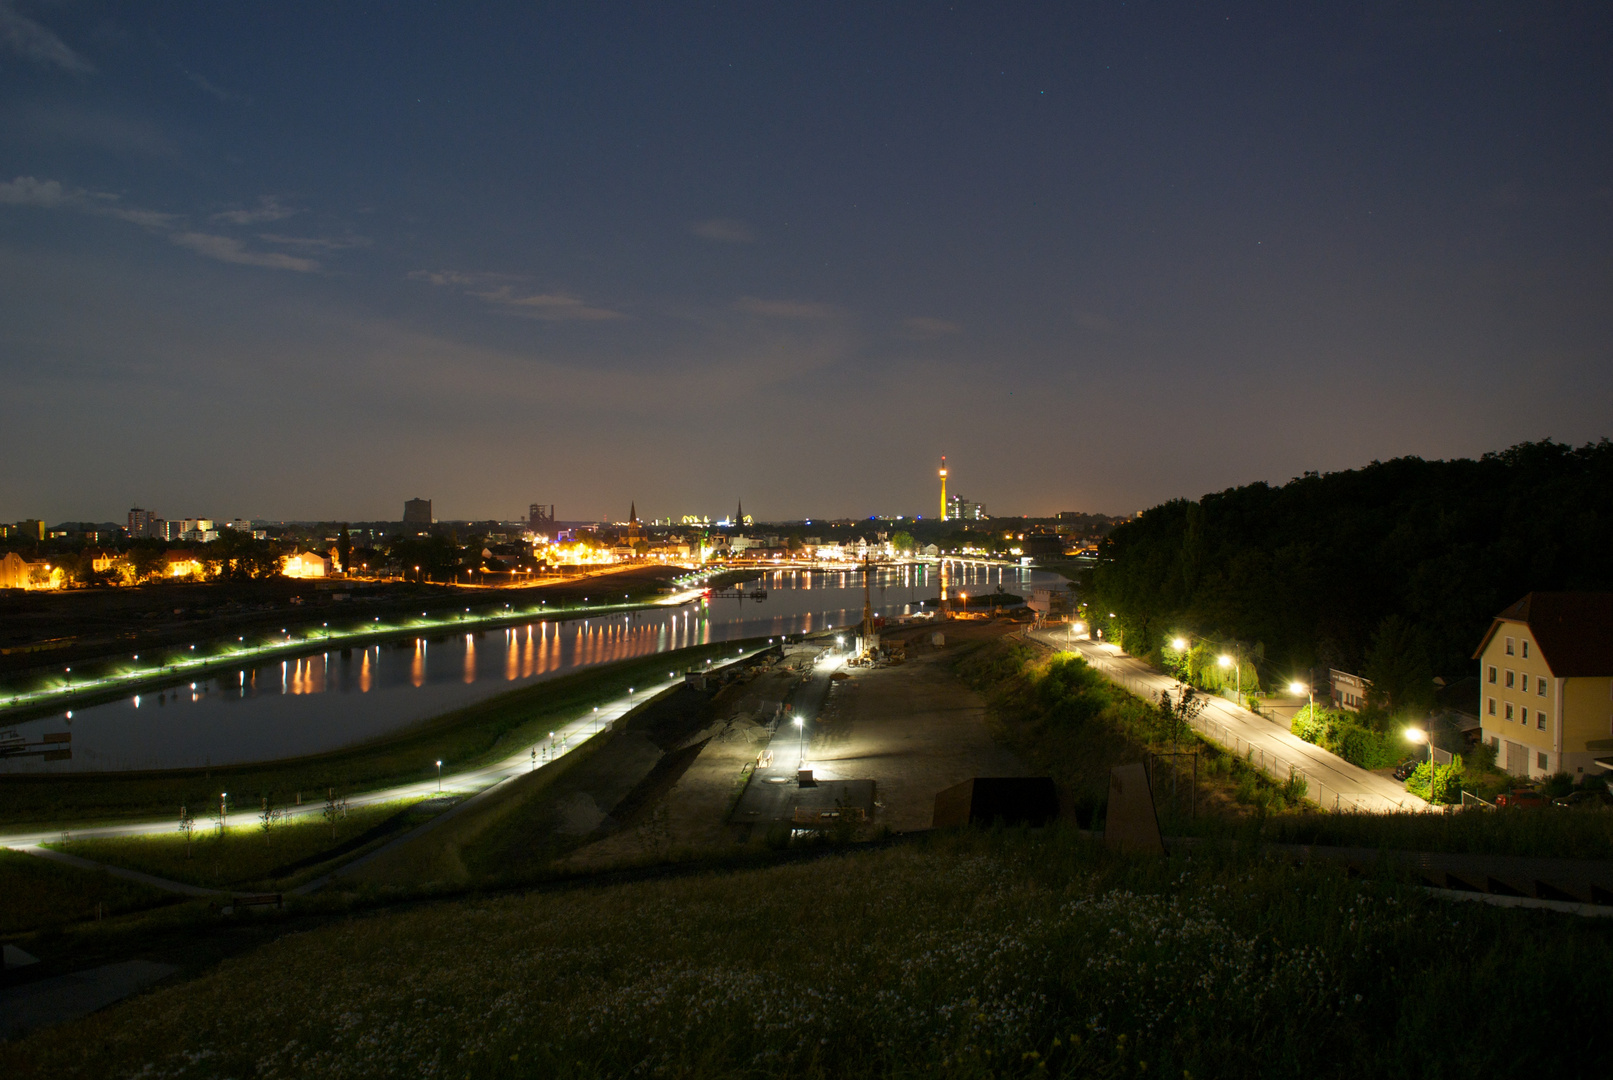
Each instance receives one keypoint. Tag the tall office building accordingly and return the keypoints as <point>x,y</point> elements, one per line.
<point>417,512</point>
<point>142,523</point>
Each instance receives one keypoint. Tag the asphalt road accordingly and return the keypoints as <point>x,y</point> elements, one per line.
<point>1334,783</point>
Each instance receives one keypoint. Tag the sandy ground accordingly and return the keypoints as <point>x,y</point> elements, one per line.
<point>913,728</point>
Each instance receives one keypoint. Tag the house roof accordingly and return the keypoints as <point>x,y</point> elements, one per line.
<point>1574,630</point>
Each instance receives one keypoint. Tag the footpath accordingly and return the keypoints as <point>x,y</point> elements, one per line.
<point>1331,782</point>
<point>472,782</point>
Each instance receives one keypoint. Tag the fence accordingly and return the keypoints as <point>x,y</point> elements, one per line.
<point>1279,768</point>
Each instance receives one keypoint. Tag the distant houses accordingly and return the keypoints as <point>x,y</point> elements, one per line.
<point>1546,684</point>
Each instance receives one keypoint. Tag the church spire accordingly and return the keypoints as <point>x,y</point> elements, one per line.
<point>632,513</point>
<point>739,515</point>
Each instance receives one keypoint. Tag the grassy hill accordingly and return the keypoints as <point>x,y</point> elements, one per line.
<point>976,954</point>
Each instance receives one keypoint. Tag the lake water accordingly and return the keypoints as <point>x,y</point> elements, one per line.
<point>325,699</point>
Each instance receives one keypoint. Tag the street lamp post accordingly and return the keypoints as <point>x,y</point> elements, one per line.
<point>1297,687</point>
<point>1226,660</point>
<point>439,776</point>
<point>800,744</point>
<point>1416,735</point>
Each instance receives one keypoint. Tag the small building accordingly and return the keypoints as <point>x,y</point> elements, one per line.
<point>181,564</point>
<point>1049,602</point>
<point>306,564</point>
<point>1546,684</point>
<point>1348,691</point>
<point>931,551</point>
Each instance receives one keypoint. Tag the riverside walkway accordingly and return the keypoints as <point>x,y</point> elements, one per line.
<point>1332,782</point>
<point>565,739</point>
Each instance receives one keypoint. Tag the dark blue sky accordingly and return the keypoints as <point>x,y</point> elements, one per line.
<point>311,260</point>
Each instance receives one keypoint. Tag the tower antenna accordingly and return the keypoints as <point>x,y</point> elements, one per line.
<point>943,487</point>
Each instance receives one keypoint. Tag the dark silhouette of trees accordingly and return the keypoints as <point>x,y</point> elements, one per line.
<point>1315,569</point>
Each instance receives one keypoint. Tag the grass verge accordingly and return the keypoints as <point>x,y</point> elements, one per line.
<point>38,893</point>
<point>247,856</point>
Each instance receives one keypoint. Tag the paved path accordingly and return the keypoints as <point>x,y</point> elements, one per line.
<point>562,741</point>
<point>1334,783</point>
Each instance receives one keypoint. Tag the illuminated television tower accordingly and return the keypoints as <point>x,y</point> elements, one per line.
<point>943,487</point>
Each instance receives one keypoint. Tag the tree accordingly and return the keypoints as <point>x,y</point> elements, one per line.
<point>268,817</point>
<point>904,542</point>
<point>333,810</point>
<point>187,828</point>
<point>1397,665</point>
<point>344,549</point>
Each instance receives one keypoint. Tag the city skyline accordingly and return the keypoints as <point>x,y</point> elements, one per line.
<point>305,265</point>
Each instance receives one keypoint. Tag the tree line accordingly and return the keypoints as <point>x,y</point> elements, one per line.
<point>1393,570</point>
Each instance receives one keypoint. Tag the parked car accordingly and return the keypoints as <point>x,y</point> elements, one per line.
<point>1520,797</point>
<point>1404,770</point>
<point>1583,798</point>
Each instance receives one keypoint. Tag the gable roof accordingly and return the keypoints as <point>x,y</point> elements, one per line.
<point>1574,630</point>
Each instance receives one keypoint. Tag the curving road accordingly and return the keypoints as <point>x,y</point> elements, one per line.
<point>1334,783</point>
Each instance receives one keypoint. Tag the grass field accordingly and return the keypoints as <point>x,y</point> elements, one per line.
<point>464,738</point>
<point>972,955</point>
<point>36,893</point>
<point>246,856</point>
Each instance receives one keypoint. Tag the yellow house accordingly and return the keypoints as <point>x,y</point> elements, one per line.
<point>1546,684</point>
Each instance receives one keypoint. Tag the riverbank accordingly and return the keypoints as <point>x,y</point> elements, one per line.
<point>463,739</point>
<point>111,677</point>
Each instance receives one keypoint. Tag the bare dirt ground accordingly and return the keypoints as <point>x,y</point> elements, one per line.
<point>913,728</point>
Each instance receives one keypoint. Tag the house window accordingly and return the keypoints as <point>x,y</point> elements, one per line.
<point>1509,647</point>
<point>1540,760</point>
<point>1492,706</point>
<point>1540,687</point>
<point>1495,742</point>
<point>1509,710</point>
<point>1492,674</point>
<point>1512,679</point>
<point>1540,719</point>
<point>1523,717</point>
<point>1525,644</point>
<point>1524,681</point>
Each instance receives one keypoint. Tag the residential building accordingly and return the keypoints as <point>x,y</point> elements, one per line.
<point>142,523</point>
<point>1348,691</point>
<point>961,509</point>
<point>1546,684</point>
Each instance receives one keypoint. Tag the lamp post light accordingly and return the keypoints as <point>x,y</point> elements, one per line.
<point>439,776</point>
<point>800,744</point>
<point>1417,735</point>
<point>1227,661</point>
<point>1297,687</point>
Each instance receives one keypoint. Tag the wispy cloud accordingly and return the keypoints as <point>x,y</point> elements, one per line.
<point>321,243</point>
<point>504,291</point>
<point>724,231</point>
<point>28,39</point>
<point>229,249</point>
<point>551,307</point>
<point>785,309</point>
<point>50,194</point>
<point>928,329</point>
<point>268,209</point>
<point>53,195</point>
<point>28,191</point>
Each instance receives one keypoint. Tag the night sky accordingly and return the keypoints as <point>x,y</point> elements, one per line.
<point>307,261</point>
